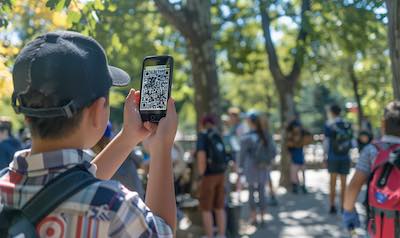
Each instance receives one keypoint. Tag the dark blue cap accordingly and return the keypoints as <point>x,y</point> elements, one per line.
<point>67,67</point>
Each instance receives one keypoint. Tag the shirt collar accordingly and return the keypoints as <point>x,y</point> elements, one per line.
<point>391,139</point>
<point>38,164</point>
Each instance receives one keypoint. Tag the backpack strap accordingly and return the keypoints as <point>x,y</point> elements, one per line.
<point>56,192</point>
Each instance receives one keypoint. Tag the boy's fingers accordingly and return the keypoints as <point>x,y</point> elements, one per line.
<point>171,106</point>
<point>137,97</point>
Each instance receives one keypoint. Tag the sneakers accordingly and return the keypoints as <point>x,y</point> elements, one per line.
<point>273,202</point>
<point>304,189</point>
<point>295,188</point>
<point>333,210</point>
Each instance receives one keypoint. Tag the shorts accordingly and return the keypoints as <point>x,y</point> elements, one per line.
<point>339,166</point>
<point>212,193</point>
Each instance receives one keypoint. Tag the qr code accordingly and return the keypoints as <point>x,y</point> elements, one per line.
<point>154,95</point>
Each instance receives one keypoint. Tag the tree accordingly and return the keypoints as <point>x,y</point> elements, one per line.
<point>285,83</point>
<point>393,7</point>
<point>192,18</point>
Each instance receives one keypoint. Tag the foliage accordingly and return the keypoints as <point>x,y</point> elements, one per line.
<point>132,29</point>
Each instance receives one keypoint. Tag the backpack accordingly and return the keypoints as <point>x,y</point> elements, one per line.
<point>216,153</point>
<point>22,222</point>
<point>383,194</point>
<point>264,153</point>
<point>341,139</point>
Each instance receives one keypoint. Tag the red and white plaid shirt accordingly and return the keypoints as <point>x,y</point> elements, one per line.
<point>103,209</point>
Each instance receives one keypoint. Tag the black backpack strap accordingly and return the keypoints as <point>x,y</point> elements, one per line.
<point>56,192</point>
<point>3,171</point>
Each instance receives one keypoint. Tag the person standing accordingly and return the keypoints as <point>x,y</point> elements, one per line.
<point>211,163</point>
<point>256,154</point>
<point>337,145</point>
<point>295,143</point>
<point>8,143</point>
<point>367,163</point>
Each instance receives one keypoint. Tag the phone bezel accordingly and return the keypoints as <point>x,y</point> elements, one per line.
<point>155,115</point>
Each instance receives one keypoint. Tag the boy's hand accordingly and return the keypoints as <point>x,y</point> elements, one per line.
<point>133,128</point>
<point>163,134</point>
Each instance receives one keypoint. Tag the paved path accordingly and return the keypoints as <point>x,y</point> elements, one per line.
<point>299,215</point>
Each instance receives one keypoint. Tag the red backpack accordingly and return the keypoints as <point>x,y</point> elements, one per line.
<point>383,194</point>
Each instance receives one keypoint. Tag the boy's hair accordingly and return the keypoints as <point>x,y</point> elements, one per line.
<point>50,128</point>
<point>335,109</point>
<point>391,116</point>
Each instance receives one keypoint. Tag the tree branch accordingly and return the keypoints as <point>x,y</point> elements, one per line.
<point>269,44</point>
<point>177,18</point>
<point>300,43</point>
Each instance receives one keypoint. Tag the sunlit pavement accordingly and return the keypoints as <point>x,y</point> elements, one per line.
<point>299,215</point>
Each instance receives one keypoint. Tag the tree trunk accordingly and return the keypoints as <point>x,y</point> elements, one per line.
<point>287,110</point>
<point>284,83</point>
<point>205,78</point>
<point>394,43</point>
<point>193,21</point>
<point>357,96</point>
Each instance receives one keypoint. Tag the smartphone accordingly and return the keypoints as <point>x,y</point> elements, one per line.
<point>155,87</point>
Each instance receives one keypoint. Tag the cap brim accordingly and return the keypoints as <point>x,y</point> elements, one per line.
<point>119,77</point>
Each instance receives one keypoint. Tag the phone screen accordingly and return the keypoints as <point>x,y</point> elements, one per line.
<point>155,87</point>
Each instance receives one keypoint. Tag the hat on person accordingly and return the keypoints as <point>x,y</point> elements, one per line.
<point>66,67</point>
<point>253,115</point>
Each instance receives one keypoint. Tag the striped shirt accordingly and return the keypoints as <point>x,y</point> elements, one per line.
<point>103,209</point>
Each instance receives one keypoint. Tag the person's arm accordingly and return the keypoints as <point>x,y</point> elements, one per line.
<point>110,158</point>
<point>160,194</point>
<point>363,169</point>
<point>201,162</point>
<point>353,189</point>
<point>201,154</point>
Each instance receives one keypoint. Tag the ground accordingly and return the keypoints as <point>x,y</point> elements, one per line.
<point>300,215</point>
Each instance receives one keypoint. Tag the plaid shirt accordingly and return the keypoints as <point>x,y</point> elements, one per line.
<point>103,209</point>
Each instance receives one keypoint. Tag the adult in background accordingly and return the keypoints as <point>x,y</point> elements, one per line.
<point>8,143</point>
<point>295,143</point>
<point>337,145</point>
<point>256,154</point>
<point>211,163</point>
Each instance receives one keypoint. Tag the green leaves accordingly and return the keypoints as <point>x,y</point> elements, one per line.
<point>58,5</point>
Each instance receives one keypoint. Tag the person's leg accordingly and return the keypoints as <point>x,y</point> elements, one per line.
<point>252,203</point>
<point>206,199</point>
<point>221,221</point>
<point>219,205</point>
<point>273,201</point>
<point>262,200</point>
<point>207,223</point>
<point>343,179</point>
<point>344,171</point>
<point>332,192</point>
<point>294,171</point>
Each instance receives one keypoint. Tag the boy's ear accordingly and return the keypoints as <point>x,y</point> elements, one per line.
<point>96,111</point>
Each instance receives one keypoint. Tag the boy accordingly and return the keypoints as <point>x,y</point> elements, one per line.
<point>61,85</point>
<point>338,142</point>
<point>391,136</point>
